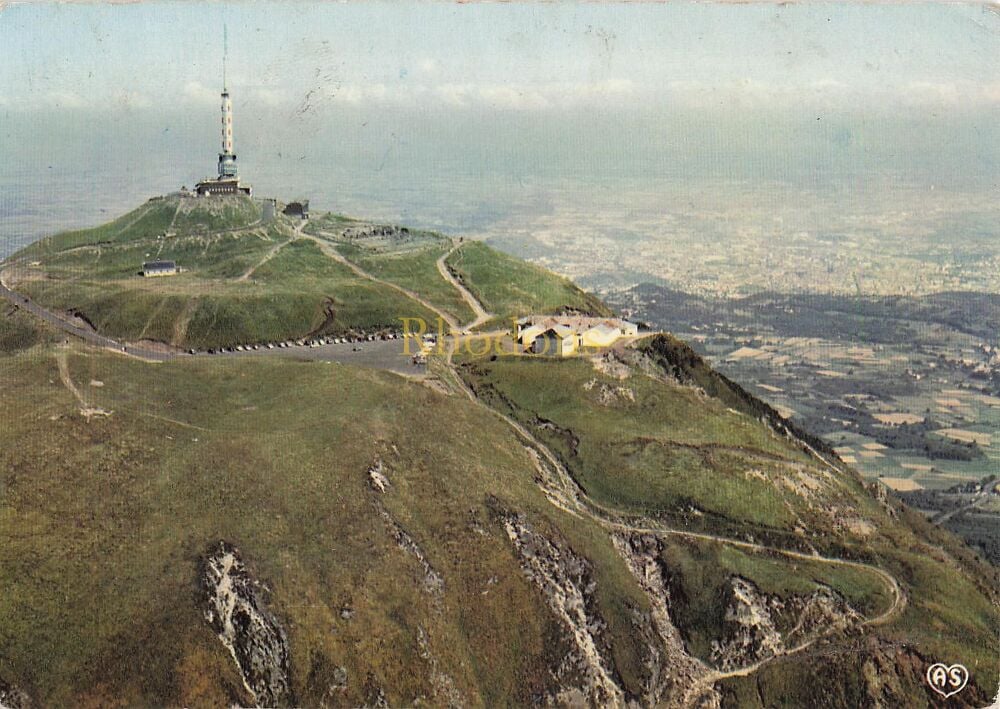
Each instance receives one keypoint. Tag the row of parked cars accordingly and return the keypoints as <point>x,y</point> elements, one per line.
<point>310,342</point>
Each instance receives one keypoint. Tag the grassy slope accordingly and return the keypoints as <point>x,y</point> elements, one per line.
<point>21,331</point>
<point>298,292</point>
<point>666,453</point>
<point>147,221</point>
<point>667,449</point>
<point>416,270</point>
<point>102,525</point>
<point>509,287</point>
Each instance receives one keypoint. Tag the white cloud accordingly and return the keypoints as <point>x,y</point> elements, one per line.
<point>61,99</point>
<point>362,93</point>
<point>829,93</point>
<point>197,92</point>
<point>506,95</point>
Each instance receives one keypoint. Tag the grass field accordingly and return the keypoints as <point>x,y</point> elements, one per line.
<point>414,269</point>
<point>242,283</point>
<point>508,287</point>
<point>21,331</point>
<point>297,292</point>
<point>668,446</point>
<point>102,524</point>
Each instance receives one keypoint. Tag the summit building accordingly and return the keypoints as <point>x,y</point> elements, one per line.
<point>228,179</point>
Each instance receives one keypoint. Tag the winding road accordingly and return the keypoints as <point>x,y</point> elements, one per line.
<point>473,302</point>
<point>327,248</point>
<point>567,495</point>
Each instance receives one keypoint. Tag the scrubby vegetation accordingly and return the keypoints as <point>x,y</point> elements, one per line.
<point>104,523</point>
<point>20,331</point>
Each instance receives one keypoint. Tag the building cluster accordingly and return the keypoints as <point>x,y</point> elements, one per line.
<point>385,231</point>
<point>564,335</point>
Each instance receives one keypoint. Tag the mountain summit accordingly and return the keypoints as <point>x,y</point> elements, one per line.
<point>623,527</point>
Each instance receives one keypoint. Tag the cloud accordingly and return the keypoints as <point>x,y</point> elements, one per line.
<point>427,66</point>
<point>831,93</point>
<point>197,92</point>
<point>421,91</point>
<point>126,99</point>
<point>952,93</point>
<point>58,99</point>
<point>496,95</point>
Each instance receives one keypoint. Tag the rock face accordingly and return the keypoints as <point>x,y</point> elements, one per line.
<point>750,629</point>
<point>566,581</point>
<point>13,698</point>
<point>676,670</point>
<point>252,635</point>
<point>610,394</point>
<point>379,481</point>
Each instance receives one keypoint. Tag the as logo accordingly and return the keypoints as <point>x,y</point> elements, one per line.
<point>945,680</point>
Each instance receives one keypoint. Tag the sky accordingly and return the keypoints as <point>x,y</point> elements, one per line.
<point>422,109</point>
<point>528,57</point>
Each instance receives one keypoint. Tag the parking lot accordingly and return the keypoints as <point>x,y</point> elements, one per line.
<point>377,354</point>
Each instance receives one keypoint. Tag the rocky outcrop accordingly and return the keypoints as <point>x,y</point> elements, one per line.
<point>751,628</point>
<point>610,394</point>
<point>672,670</point>
<point>378,480</point>
<point>252,635</point>
<point>567,583</point>
<point>13,698</point>
<point>822,612</point>
<point>445,691</point>
<point>377,477</point>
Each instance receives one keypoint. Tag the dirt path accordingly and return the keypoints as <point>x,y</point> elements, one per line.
<point>273,251</point>
<point>86,410</point>
<point>964,508</point>
<point>473,302</point>
<point>182,322</point>
<point>327,248</point>
<point>563,492</point>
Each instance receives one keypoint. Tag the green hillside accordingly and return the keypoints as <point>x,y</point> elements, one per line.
<point>415,269</point>
<point>20,331</point>
<point>245,281</point>
<point>507,286</point>
<point>627,528</point>
<point>645,440</point>
<point>102,540</point>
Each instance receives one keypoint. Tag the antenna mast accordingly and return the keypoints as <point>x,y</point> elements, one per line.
<point>225,53</point>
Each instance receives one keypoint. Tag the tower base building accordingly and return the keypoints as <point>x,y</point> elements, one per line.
<point>228,181</point>
<point>222,185</point>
